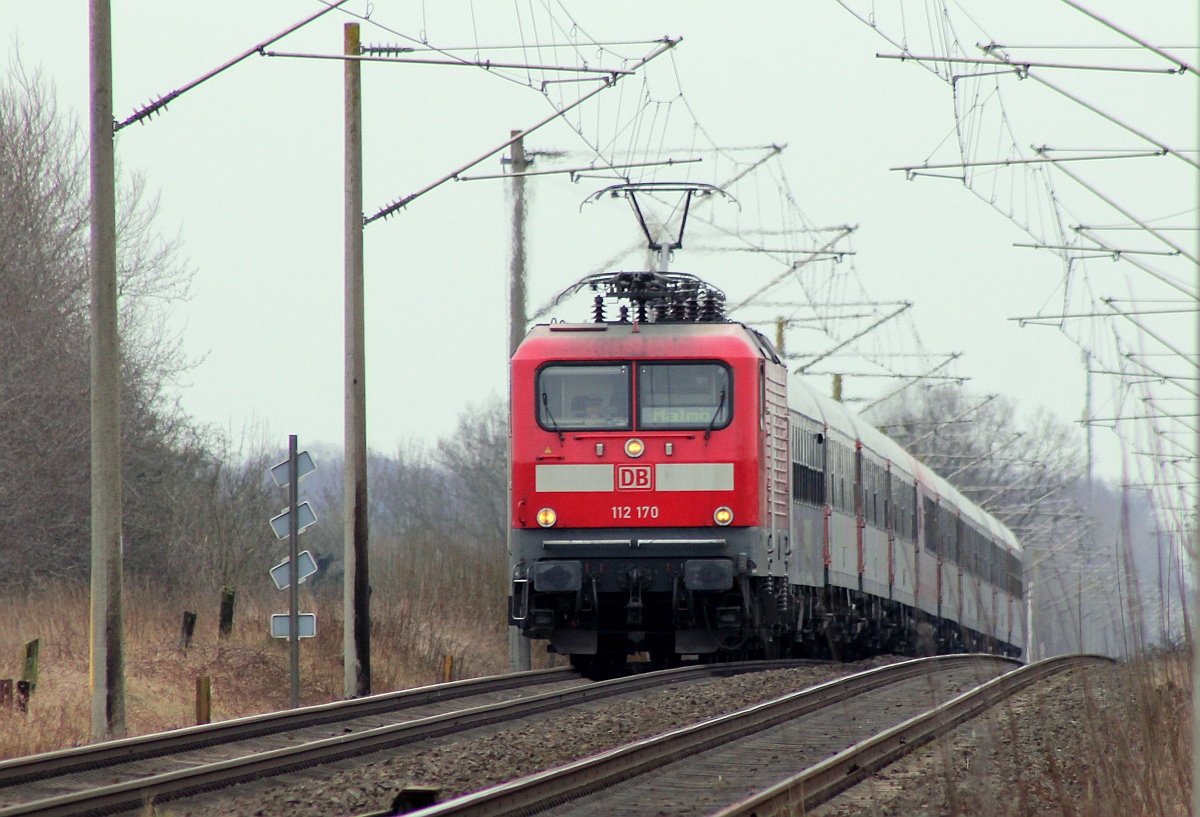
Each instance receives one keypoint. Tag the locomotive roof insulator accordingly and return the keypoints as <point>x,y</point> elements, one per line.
<point>653,297</point>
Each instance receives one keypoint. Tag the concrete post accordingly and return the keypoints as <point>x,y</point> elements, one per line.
<point>107,652</point>
<point>520,658</point>
<point>356,590</point>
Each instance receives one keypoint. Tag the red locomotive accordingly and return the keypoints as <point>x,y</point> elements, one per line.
<point>666,499</point>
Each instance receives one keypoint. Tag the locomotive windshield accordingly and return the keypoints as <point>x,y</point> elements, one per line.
<point>579,397</point>
<point>683,396</point>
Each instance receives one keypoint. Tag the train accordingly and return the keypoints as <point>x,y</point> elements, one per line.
<point>673,493</point>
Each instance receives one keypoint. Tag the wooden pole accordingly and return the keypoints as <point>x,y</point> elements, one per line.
<point>203,699</point>
<point>107,652</point>
<point>30,672</point>
<point>187,630</point>
<point>225,620</point>
<point>356,589</point>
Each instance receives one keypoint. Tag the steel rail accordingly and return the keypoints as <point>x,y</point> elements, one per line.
<point>202,778</point>
<point>100,755</point>
<point>539,791</point>
<point>820,783</point>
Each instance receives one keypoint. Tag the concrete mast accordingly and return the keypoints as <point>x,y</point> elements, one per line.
<point>107,650</point>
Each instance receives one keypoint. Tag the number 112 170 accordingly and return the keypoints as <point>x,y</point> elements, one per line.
<point>635,512</point>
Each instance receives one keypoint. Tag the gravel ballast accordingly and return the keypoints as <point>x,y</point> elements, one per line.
<point>459,765</point>
<point>1072,745</point>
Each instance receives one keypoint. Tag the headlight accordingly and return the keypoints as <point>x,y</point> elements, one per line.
<point>546,517</point>
<point>635,447</point>
<point>722,516</point>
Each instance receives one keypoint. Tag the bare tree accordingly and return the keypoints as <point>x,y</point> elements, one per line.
<point>44,381</point>
<point>476,456</point>
<point>219,534</point>
<point>1028,472</point>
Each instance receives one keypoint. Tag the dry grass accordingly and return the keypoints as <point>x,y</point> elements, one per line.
<point>424,607</point>
<point>1142,742</point>
<point>414,608</point>
<point>1111,741</point>
<point>1108,741</point>
<point>248,669</point>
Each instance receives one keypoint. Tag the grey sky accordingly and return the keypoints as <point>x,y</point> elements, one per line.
<point>249,170</point>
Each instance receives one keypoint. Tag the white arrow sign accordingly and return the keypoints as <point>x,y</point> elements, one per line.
<point>281,473</point>
<point>306,563</point>
<point>305,515</point>
<point>280,622</point>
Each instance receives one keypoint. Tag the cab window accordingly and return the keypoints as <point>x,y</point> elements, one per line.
<point>580,397</point>
<point>684,396</point>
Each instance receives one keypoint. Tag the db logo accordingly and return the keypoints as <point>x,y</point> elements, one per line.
<point>635,477</point>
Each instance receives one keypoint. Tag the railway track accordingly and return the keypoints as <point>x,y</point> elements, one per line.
<point>744,763</point>
<point>120,775</point>
<point>822,782</point>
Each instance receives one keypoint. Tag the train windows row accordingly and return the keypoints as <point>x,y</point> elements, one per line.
<point>828,471</point>
<point>959,542</point>
<point>808,485</point>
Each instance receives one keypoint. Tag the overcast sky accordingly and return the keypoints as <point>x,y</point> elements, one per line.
<point>249,170</point>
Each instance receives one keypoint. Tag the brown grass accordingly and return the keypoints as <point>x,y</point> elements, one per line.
<point>1106,741</point>
<point>1141,742</point>
<point>1124,749</point>
<point>418,619</point>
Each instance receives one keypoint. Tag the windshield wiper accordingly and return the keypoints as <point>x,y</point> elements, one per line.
<point>713,421</point>
<point>561,438</point>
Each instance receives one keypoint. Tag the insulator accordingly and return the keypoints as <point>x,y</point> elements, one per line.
<point>692,309</point>
<point>678,311</point>
<point>598,309</point>
<point>660,312</point>
<point>624,314</point>
<point>641,311</point>
<point>712,311</point>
